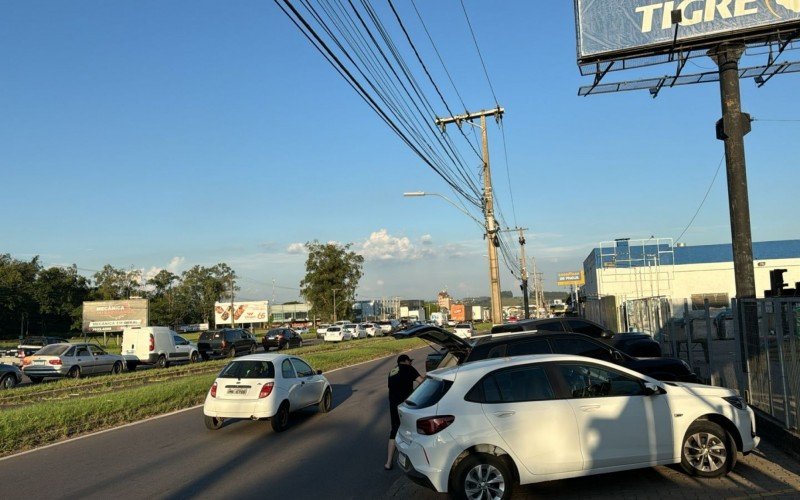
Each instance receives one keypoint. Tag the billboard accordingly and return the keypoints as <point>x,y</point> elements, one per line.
<point>114,315</point>
<point>571,278</point>
<point>615,29</point>
<point>242,312</point>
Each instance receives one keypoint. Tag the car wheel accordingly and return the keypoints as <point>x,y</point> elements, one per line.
<point>482,476</point>
<point>213,423</point>
<point>117,368</point>
<point>326,402</point>
<point>281,419</point>
<point>253,349</point>
<point>8,382</point>
<point>74,372</point>
<point>36,380</point>
<point>194,358</point>
<point>708,450</point>
<point>300,344</point>
<point>161,362</point>
<point>232,352</point>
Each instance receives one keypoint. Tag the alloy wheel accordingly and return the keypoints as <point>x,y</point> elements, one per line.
<point>484,481</point>
<point>705,452</point>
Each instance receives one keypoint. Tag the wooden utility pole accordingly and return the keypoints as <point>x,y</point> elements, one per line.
<point>525,303</point>
<point>488,202</point>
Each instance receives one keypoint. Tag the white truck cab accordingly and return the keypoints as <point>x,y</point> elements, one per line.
<point>156,345</point>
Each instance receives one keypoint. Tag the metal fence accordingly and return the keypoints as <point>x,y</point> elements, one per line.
<point>753,347</point>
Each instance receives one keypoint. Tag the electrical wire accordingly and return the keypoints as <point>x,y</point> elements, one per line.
<point>678,239</point>
<point>480,56</point>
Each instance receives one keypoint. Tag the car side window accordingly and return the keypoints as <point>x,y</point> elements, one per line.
<point>96,350</point>
<point>589,381</point>
<point>583,347</point>
<point>584,327</point>
<point>497,351</point>
<point>70,352</point>
<point>551,326</point>
<point>286,369</point>
<point>538,346</point>
<point>303,370</point>
<point>519,384</point>
<point>82,351</point>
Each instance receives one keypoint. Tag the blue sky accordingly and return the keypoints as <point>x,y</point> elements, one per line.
<point>156,134</point>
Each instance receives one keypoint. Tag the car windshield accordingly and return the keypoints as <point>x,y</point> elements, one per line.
<point>350,326</point>
<point>333,329</point>
<point>248,369</point>
<point>429,392</point>
<point>463,325</point>
<point>53,350</point>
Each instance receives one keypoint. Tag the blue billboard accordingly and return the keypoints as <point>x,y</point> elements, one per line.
<point>611,29</point>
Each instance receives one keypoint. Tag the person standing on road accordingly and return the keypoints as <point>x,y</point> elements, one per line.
<point>401,385</point>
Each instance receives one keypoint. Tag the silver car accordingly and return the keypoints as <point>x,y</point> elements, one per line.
<point>70,360</point>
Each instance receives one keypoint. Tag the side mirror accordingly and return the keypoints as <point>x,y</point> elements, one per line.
<point>319,372</point>
<point>651,389</point>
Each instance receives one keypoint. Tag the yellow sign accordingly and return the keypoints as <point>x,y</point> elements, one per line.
<point>571,278</point>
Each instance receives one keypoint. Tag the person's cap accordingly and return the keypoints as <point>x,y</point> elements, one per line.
<point>402,358</point>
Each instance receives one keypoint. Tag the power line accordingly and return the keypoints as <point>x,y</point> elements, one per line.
<point>508,174</point>
<point>678,239</point>
<point>480,56</point>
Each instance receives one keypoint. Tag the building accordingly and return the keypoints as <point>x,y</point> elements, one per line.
<point>290,313</point>
<point>639,283</point>
<point>444,301</point>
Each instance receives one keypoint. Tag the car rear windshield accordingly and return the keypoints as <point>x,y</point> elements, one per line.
<point>209,335</point>
<point>53,350</point>
<point>463,325</point>
<point>333,329</point>
<point>248,369</point>
<point>429,392</point>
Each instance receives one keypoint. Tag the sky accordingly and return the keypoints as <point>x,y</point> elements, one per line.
<point>165,134</point>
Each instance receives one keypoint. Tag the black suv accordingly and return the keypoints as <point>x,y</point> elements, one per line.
<point>281,338</point>
<point>517,344</point>
<point>227,342</point>
<point>562,324</point>
<point>30,345</point>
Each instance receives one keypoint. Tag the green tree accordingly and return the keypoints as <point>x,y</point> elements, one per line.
<point>202,286</point>
<point>330,267</point>
<point>60,293</point>
<point>163,307</point>
<point>116,284</point>
<point>18,308</point>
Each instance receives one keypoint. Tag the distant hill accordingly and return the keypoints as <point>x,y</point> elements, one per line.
<point>512,301</point>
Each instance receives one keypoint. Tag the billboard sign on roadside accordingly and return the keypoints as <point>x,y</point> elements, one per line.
<point>616,29</point>
<point>114,315</point>
<point>571,278</point>
<point>242,312</point>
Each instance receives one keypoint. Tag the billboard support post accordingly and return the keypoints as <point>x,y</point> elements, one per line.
<point>731,129</point>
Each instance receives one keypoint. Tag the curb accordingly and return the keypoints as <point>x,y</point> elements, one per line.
<point>773,430</point>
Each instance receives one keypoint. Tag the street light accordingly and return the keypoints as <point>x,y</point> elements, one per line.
<point>489,232</point>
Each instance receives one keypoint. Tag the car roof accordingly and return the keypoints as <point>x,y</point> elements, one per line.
<point>263,356</point>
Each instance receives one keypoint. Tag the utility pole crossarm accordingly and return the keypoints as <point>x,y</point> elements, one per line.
<point>496,112</point>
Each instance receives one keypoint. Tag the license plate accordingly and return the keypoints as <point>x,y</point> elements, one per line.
<point>38,362</point>
<point>402,460</point>
<point>237,391</point>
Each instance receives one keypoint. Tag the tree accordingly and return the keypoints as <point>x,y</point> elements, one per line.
<point>507,294</point>
<point>116,284</point>
<point>163,307</point>
<point>60,293</point>
<point>201,287</point>
<point>17,303</point>
<point>330,267</point>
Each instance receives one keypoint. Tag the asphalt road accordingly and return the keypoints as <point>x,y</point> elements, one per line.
<point>334,455</point>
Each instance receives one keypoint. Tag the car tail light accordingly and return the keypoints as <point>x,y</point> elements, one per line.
<point>266,390</point>
<point>26,361</point>
<point>214,390</point>
<point>152,342</point>
<point>432,425</point>
<point>55,361</point>
<point>21,353</point>
<point>224,344</point>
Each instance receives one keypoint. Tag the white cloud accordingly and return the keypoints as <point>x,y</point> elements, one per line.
<point>175,263</point>
<point>426,239</point>
<point>384,247</point>
<point>379,282</point>
<point>296,248</point>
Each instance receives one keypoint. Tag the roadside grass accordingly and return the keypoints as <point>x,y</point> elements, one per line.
<point>42,423</point>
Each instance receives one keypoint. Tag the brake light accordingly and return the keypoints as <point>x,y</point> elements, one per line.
<point>152,342</point>
<point>432,425</point>
<point>55,361</point>
<point>214,390</point>
<point>266,390</point>
<point>26,361</point>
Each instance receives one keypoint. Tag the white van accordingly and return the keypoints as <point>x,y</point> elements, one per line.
<point>156,345</point>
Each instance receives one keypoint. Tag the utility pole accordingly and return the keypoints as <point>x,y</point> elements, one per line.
<point>488,201</point>
<point>731,129</point>
<point>523,269</point>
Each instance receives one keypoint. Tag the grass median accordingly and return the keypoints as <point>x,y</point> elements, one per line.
<point>43,423</point>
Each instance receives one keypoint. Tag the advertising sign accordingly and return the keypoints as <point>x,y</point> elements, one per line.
<point>571,278</point>
<point>114,315</point>
<point>242,312</point>
<point>611,29</point>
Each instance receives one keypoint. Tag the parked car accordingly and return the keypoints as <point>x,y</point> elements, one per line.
<point>227,342</point>
<point>156,345</point>
<point>637,344</point>
<point>30,345</point>
<point>321,330</point>
<point>516,344</point>
<point>352,329</point>
<point>336,334</point>
<point>465,330</point>
<point>479,429</point>
<point>265,386</point>
<point>372,329</point>
<point>301,330</point>
<point>70,360</point>
<point>281,338</point>
<point>560,324</point>
<point>10,376</point>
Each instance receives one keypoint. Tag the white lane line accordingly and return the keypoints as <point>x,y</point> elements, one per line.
<point>131,424</point>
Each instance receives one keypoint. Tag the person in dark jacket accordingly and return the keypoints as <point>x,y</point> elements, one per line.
<point>401,385</point>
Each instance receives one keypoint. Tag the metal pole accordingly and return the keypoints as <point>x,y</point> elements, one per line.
<point>777,308</point>
<point>731,129</point>
<point>525,302</point>
<point>708,340</point>
<point>687,329</point>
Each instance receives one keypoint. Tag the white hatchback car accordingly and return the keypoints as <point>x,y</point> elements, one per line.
<point>372,329</point>
<point>464,330</point>
<point>336,334</point>
<point>265,386</point>
<point>478,429</point>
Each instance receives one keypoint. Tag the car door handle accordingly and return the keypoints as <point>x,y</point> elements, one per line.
<point>504,414</point>
<point>589,407</point>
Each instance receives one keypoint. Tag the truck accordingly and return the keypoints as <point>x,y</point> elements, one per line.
<point>460,313</point>
<point>480,313</point>
<point>439,318</point>
<point>412,314</point>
